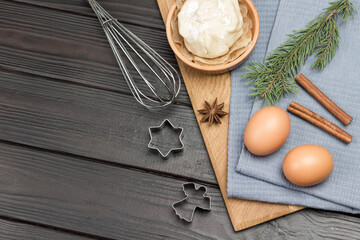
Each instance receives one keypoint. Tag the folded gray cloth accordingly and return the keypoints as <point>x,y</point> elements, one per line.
<point>261,178</point>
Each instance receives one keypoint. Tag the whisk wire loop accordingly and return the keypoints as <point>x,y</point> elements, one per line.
<point>165,76</point>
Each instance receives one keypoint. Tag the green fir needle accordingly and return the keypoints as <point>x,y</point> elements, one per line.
<point>273,79</point>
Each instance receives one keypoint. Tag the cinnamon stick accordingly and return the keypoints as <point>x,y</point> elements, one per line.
<point>319,121</point>
<point>323,99</point>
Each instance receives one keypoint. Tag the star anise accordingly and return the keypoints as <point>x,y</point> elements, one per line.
<point>212,112</point>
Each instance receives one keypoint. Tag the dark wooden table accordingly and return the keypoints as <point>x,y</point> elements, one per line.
<point>73,157</point>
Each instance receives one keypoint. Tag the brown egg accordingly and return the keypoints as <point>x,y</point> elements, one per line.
<point>307,165</point>
<point>267,130</point>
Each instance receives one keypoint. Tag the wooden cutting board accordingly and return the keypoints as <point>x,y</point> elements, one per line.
<point>200,87</point>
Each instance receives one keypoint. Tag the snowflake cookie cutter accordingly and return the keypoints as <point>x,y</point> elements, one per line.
<point>196,187</point>
<point>159,128</point>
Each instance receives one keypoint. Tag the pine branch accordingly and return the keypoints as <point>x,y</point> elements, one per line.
<point>273,79</point>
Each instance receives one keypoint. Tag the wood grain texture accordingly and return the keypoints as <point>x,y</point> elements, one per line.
<point>69,47</point>
<point>318,225</point>
<point>104,200</point>
<point>82,195</point>
<point>136,12</point>
<point>95,123</point>
<point>200,87</point>
<point>10,230</point>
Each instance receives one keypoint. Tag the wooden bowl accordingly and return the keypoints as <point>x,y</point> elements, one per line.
<point>219,68</point>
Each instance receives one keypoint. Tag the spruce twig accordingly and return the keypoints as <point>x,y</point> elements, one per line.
<point>273,79</point>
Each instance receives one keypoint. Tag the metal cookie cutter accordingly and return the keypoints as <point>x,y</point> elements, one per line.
<point>159,128</point>
<point>197,187</point>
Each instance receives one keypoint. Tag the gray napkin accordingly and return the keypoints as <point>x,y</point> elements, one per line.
<point>261,178</point>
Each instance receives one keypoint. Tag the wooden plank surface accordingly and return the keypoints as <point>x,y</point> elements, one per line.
<point>200,87</point>
<point>95,123</point>
<point>82,195</point>
<point>70,165</point>
<point>15,230</point>
<point>82,54</point>
<point>101,199</point>
<point>137,12</point>
<point>83,129</point>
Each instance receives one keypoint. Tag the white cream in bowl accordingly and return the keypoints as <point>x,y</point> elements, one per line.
<point>210,27</point>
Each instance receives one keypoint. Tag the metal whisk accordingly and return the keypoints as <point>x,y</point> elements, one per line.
<point>162,80</point>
